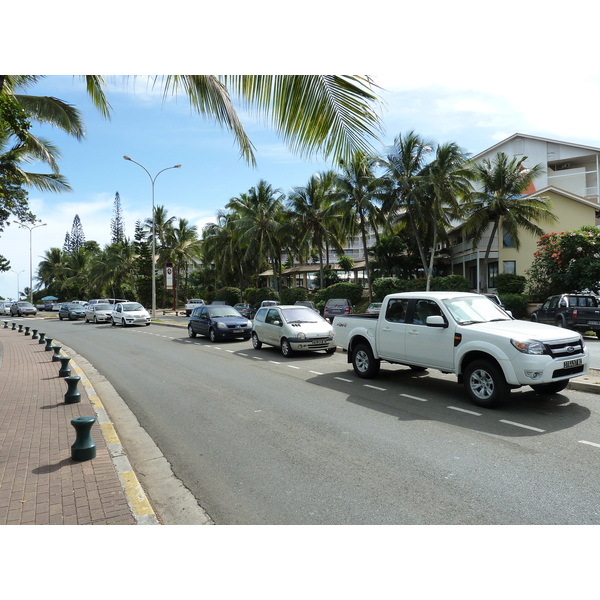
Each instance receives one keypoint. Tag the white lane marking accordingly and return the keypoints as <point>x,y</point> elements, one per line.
<point>293,367</point>
<point>257,358</point>
<point>522,426</point>
<point>315,373</point>
<point>242,354</point>
<point>275,362</point>
<point>414,397</point>
<point>589,443</point>
<point>342,379</point>
<point>374,387</point>
<point>464,410</point>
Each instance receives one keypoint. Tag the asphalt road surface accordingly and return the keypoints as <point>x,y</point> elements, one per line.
<point>260,439</point>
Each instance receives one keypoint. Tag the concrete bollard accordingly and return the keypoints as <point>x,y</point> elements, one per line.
<point>20,327</point>
<point>56,355</point>
<point>35,335</point>
<point>27,330</point>
<point>73,395</point>
<point>84,447</point>
<point>42,339</point>
<point>48,344</point>
<point>64,370</point>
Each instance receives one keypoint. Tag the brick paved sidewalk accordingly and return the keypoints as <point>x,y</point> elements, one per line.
<point>39,482</point>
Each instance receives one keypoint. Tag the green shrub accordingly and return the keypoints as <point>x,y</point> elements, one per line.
<point>231,295</point>
<point>507,283</point>
<point>254,296</point>
<point>451,283</point>
<point>352,291</point>
<point>516,303</point>
<point>292,295</point>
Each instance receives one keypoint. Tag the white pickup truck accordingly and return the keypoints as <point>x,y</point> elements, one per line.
<point>466,334</point>
<point>192,304</point>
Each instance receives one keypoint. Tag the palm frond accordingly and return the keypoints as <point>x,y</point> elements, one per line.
<point>47,109</point>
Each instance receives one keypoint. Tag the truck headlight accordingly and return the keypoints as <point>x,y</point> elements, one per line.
<point>529,346</point>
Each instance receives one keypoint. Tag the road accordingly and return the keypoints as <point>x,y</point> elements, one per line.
<point>259,439</point>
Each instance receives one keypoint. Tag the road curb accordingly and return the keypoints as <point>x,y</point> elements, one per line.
<point>140,506</point>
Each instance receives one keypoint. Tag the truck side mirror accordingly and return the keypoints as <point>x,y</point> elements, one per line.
<point>436,321</point>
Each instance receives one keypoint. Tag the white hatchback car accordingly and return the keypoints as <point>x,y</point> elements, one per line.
<point>292,328</point>
<point>129,313</point>
<point>5,307</point>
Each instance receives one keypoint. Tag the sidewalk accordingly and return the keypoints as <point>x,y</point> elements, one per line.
<point>40,483</point>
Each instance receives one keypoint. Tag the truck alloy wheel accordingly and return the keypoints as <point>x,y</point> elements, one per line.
<point>364,363</point>
<point>485,384</point>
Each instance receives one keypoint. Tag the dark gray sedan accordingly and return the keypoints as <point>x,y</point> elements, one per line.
<point>218,323</point>
<point>71,311</point>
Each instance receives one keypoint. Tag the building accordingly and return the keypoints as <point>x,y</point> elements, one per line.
<point>570,181</point>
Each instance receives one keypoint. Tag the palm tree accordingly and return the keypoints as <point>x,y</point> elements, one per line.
<point>331,114</point>
<point>500,201</point>
<point>360,199</point>
<point>185,250</point>
<point>406,183</point>
<point>448,180</point>
<point>52,270</point>
<point>260,221</point>
<point>315,214</point>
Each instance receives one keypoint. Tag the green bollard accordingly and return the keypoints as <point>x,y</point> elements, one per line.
<point>56,355</point>
<point>48,344</point>
<point>73,395</point>
<point>27,330</point>
<point>84,447</point>
<point>64,370</point>
<point>42,339</point>
<point>35,335</point>
<point>20,327</point>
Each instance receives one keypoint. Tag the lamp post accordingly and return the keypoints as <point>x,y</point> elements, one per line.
<point>31,228</point>
<point>152,179</point>
<point>18,292</point>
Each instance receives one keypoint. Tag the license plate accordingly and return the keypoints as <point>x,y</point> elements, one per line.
<point>593,322</point>
<point>237,331</point>
<point>573,363</point>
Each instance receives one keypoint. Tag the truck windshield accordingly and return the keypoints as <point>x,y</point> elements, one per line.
<point>475,309</point>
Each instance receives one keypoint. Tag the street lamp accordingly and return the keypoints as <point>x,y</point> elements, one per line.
<point>18,286</point>
<point>152,179</point>
<point>31,228</point>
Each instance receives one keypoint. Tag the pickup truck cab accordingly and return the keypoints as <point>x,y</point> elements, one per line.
<point>465,334</point>
<point>192,304</point>
<point>573,311</point>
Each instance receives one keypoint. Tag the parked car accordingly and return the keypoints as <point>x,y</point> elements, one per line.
<point>98,313</point>
<point>22,309</point>
<point>307,303</point>
<point>5,308</point>
<point>373,309</point>
<point>129,313</point>
<point>337,306</point>
<point>192,304</point>
<point>244,309</point>
<point>83,303</point>
<point>292,328</point>
<point>580,312</point>
<point>71,311</point>
<point>98,301</point>
<point>218,323</point>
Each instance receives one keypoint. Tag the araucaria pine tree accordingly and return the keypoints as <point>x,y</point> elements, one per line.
<point>117,225</point>
<point>77,237</point>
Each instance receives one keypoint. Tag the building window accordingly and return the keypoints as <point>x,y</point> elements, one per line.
<point>492,274</point>
<point>473,277</point>
<point>508,240</point>
<point>510,267</point>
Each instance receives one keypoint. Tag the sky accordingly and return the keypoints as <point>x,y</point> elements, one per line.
<point>470,72</point>
<point>486,86</point>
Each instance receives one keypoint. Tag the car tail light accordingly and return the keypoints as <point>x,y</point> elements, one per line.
<point>347,309</point>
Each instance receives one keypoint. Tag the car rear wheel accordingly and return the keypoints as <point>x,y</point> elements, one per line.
<point>286,348</point>
<point>191,332</point>
<point>364,363</point>
<point>60,317</point>
<point>112,322</point>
